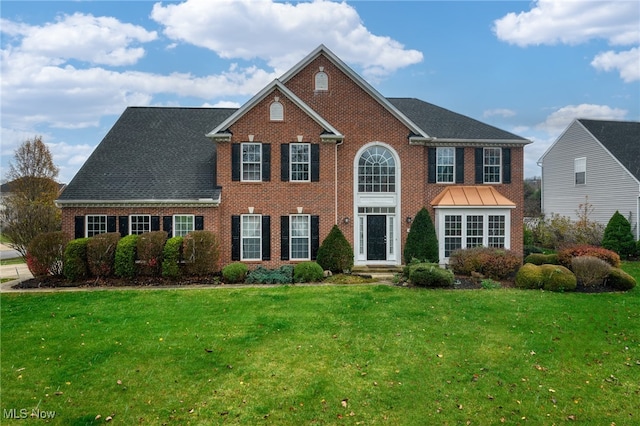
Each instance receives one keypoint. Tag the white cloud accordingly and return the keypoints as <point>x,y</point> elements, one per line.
<point>574,22</point>
<point>501,112</point>
<point>557,121</point>
<point>282,33</point>
<point>627,63</point>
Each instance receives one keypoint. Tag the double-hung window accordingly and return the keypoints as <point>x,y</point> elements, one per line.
<point>300,162</point>
<point>139,223</point>
<point>452,233</point>
<point>96,224</point>
<point>300,236</point>
<point>492,160</point>
<point>445,162</point>
<point>251,235</point>
<point>475,230</point>
<point>183,224</point>
<point>496,231</point>
<point>251,162</point>
<point>580,170</point>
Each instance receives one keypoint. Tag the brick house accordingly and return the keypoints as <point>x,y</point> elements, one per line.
<point>317,147</point>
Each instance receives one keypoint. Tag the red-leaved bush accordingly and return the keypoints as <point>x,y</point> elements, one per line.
<point>46,252</point>
<point>491,262</point>
<point>565,256</point>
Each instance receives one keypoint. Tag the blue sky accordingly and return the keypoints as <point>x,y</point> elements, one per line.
<point>69,68</point>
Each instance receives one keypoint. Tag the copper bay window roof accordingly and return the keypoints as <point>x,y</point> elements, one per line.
<point>471,196</point>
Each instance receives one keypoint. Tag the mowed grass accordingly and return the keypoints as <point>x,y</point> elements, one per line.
<point>291,355</point>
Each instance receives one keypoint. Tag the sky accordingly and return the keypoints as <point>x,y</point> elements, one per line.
<point>70,68</point>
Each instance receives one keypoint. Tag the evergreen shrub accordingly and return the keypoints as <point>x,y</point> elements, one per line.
<point>541,259</point>
<point>335,253</point>
<point>201,251</point>
<point>101,250</point>
<point>618,236</point>
<point>45,253</point>
<point>262,275</point>
<point>620,280</point>
<point>171,257</point>
<point>558,278</point>
<point>422,242</point>
<point>125,257</point>
<point>75,260</point>
<point>149,248</point>
<point>529,277</point>
<point>234,273</point>
<point>430,275</point>
<point>307,272</point>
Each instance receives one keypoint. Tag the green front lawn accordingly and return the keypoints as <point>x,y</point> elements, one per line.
<point>322,355</point>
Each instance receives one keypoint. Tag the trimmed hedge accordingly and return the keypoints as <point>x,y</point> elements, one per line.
<point>75,260</point>
<point>101,251</point>
<point>201,252</point>
<point>620,280</point>
<point>307,272</point>
<point>262,275</point>
<point>171,257</point>
<point>125,258</point>
<point>548,277</point>
<point>45,253</point>
<point>149,252</point>
<point>541,259</point>
<point>234,273</point>
<point>430,275</point>
<point>529,277</point>
<point>490,262</point>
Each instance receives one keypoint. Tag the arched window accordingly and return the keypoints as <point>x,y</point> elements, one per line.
<point>376,170</point>
<point>276,111</point>
<point>322,80</point>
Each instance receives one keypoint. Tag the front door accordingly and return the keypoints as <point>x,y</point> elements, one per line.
<point>376,237</point>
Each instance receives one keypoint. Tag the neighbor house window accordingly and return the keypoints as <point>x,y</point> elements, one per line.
<point>183,224</point>
<point>139,223</point>
<point>376,170</point>
<point>452,233</point>
<point>445,161</point>
<point>251,234</point>
<point>251,162</point>
<point>580,170</point>
<point>300,161</point>
<point>276,111</point>
<point>300,236</point>
<point>491,165</point>
<point>96,224</point>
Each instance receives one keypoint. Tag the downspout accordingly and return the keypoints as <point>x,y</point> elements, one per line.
<point>335,182</point>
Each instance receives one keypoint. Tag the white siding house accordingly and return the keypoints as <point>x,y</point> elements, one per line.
<point>598,162</point>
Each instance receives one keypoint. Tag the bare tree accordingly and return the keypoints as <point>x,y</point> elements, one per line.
<point>29,207</point>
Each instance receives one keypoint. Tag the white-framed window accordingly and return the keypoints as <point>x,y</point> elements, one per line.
<point>183,224</point>
<point>95,224</point>
<point>475,228</point>
<point>376,170</point>
<point>139,223</point>
<point>452,233</point>
<point>276,111</point>
<point>496,231</point>
<point>321,80</point>
<point>580,170</point>
<point>492,160</point>
<point>445,164</point>
<point>251,236</point>
<point>251,162</point>
<point>300,237</point>
<point>300,162</point>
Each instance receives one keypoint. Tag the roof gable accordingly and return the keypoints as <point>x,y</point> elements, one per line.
<point>152,154</point>
<point>620,138</point>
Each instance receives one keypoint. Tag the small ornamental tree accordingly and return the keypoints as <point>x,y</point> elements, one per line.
<point>335,253</point>
<point>422,242</point>
<point>618,236</point>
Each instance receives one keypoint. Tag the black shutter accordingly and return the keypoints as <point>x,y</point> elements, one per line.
<point>167,225</point>
<point>235,238</point>
<point>284,237</point>
<point>111,224</point>
<point>284,162</point>
<point>123,224</point>
<point>459,165</point>
<point>479,160</point>
<point>315,162</point>
<point>315,236</point>
<point>266,237</point>
<point>431,165</point>
<point>235,162</point>
<point>155,223</point>
<point>198,223</point>
<point>79,227</point>
<point>266,162</point>
<point>506,165</point>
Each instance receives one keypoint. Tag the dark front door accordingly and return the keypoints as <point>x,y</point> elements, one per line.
<point>377,237</point>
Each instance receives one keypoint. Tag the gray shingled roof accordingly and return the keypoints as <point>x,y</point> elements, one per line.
<point>441,123</point>
<point>621,138</point>
<point>152,153</point>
